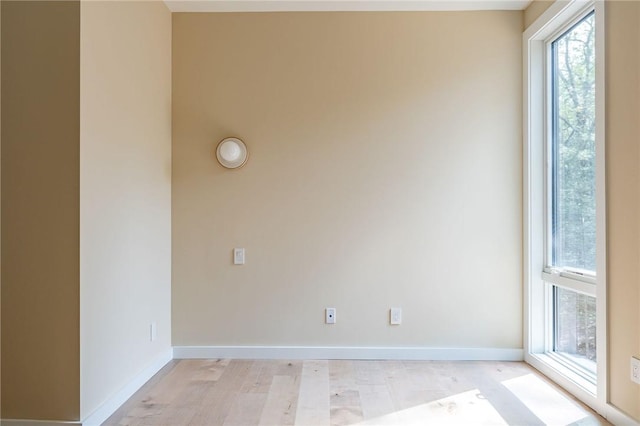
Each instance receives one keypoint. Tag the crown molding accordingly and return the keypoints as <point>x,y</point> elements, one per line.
<point>341,5</point>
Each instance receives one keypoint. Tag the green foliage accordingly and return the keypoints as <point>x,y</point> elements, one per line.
<point>574,203</point>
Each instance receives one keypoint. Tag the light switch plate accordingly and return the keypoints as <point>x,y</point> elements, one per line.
<point>395,316</point>
<point>238,256</point>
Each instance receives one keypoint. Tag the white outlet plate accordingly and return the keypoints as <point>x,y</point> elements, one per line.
<point>635,369</point>
<point>395,316</point>
<point>153,331</point>
<point>330,315</point>
<point>238,256</point>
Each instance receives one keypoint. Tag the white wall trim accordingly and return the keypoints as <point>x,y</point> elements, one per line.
<point>341,5</point>
<point>112,404</point>
<point>536,300</point>
<point>617,417</point>
<point>566,382</point>
<point>16,422</point>
<point>319,352</point>
<point>606,410</point>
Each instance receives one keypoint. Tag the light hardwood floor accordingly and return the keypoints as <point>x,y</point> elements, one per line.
<point>276,392</point>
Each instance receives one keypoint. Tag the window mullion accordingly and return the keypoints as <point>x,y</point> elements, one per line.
<point>569,283</point>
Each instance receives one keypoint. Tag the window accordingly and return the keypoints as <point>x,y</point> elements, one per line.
<point>572,192</point>
<point>575,327</point>
<point>565,286</point>
<point>573,183</point>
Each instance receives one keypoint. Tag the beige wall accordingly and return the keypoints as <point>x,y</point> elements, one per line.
<point>40,210</point>
<point>331,210</point>
<point>86,196</point>
<point>535,9</point>
<point>623,192</point>
<point>0,215</point>
<point>125,196</point>
<point>384,170</point>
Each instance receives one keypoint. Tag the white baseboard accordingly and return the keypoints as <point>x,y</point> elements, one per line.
<point>112,404</point>
<point>310,352</point>
<point>617,417</point>
<point>17,422</point>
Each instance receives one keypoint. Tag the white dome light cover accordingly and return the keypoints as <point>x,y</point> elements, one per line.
<point>231,153</point>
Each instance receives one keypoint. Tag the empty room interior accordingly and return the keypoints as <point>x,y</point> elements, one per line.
<point>320,212</point>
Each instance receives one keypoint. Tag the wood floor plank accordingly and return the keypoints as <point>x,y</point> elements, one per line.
<point>287,368</point>
<point>369,373</point>
<point>141,405</point>
<point>284,393</point>
<point>377,405</point>
<point>375,398</point>
<point>137,416</point>
<point>219,399</point>
<point>185,391</point>
<point>313,400</point>
<point>344,400</point>
<point>185,373</point>
<point>281,404</point>
<point>246,410</point>
<point>436,379</point>
<point>403,390</point>
<point>256,376</point>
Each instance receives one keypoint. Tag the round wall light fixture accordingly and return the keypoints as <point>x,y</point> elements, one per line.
<point>231,153</point>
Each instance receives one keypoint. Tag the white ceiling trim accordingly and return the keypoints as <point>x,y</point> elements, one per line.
<point>341,5</point>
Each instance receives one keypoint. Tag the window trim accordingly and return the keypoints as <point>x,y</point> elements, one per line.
<point>537,326</point>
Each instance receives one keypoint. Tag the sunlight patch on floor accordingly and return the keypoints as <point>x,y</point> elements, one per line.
<point>462,409</point>
<point>544,401</point>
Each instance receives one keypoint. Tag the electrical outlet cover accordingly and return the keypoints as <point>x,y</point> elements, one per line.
<point>330,315</point>
<point>635,369</point>
<point>238,256</point>
<point>153,331</point>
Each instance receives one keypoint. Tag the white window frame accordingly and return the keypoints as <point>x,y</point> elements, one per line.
<point>538,281</point>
